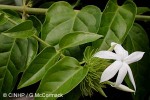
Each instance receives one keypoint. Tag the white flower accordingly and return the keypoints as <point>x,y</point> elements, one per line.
<point>121,87</point>
<point>121,64</point>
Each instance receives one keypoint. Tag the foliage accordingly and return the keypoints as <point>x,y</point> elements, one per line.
<point>58,54</point>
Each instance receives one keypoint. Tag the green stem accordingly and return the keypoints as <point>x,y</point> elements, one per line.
<point>28,10</point>
<point>24,10</point>
<point>43,11</point>
<point>12,21</point>
<point>142,17</point>
<point>82,62</point>
<point>77,3</point>
<point>40,40</point>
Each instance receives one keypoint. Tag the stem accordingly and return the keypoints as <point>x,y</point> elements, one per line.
<point>43,11</point>
<point>28,10</point>
<point>82,62</point>
<point>24,10</point>
<point>12,21</point>
<point>142,17</point>
<point>40,40</point>
<point>77,3</point>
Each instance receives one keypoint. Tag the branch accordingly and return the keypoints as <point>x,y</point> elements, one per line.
<point>43,11</point>
<point>28,10</point>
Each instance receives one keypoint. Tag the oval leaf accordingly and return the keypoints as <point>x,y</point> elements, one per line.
<point>141,10</point>
<point>62,77</point>
<point>61,19</point>
<point>77,38</point>
<point>115,23</point>
<point>38,67</point>
<point>22,30</point>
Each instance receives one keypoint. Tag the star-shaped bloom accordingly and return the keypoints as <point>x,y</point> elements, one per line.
<point>121,64</point>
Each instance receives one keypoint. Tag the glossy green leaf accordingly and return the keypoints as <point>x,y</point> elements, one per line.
<point>22,30</point>
<point>3,20</point>
<point>11,15</point>
<point>141,10</point>
<point>38,67</point>
<point>61,19</point>
<point>77,38</point>
<point>32,50</point>
<point>115,23</point>
<point>62,77</point>
<point>13,54</point>
<point>36,23</point>
<point>137,40</point>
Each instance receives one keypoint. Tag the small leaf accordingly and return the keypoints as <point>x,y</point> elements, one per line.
<point>62,77</point>
<point>115,23</point>
<point>3,20</point>
<point>77,38</point>
<point>38,67</point>
<point>141,10</point>
<point>22,30</point>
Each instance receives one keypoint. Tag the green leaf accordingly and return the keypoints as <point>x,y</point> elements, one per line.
<point>32,50</point>
<point>62,77</point>
<point>77,38</point>
<point>13,54</point>
<point>36,23</point>
<point>61,19</point>
<point>141,10</point>
<point>22,30</point>
<point>3,20</point>
<point>11,15</point>
<point>115,23</point>
<point>138,40</point>
<point>38,67</point>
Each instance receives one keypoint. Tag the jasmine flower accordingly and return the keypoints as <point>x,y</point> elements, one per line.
<point>121,64</point>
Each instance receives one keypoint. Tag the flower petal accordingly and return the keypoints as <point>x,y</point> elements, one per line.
<point>120,51</point>
<point>124,88</point>
<point>121,75</point>
<point>134,57</point>
<point>131,77</point>
<point>107,55</point>
<point>110,71</point>
<point>120,87</point>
